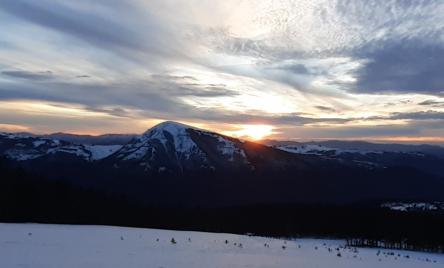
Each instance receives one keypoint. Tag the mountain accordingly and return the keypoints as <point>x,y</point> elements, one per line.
<point>175,147</point>
<point>23,147</point>
<point>356,146</point>
<point>427,158</point>
<point>175,164</point>
<point>105,139</point>
<point>181,177</point>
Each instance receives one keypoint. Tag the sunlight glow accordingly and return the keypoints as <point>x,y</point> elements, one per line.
<point>252,132</point>
<point>13,128</point>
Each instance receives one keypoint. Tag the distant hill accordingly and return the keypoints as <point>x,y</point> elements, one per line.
<point>105,139</point>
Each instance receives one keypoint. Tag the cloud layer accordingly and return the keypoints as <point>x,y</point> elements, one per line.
<point>311,69</point>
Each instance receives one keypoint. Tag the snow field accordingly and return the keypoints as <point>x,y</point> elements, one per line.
<point>44,245</point>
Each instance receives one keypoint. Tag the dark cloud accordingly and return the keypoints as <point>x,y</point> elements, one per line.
<point>83,76</point>
<point>119,34</point>
<point>71,21</point>
<point>206,91</point>
<point>301,69</point>
<point>429,115</point>
<point>373,131</point>
<point>161,97</point>
<point>401,67</point>
<point>168,77</point>
<point>433,103</point>
<point>149,100</point>
<point>422,115</point>
<point>181,86</point>
<point>119,112</point>
<point>325,108</point>
<point>294,119</point>
<point>29,75</point>
<point>137,95</point>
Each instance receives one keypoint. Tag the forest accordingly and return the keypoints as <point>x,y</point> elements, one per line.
<point>28,198</point>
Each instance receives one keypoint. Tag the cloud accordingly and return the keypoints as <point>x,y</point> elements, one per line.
<point>126,30</point>
<point>434,103</point>
<point>44,75</point>
<point>404,66</point>
<point>95,29</point>
<point>391,47</point>
<point>348,132</point>
<point>294,119</point>
<point>83,76</point>
<point>189,86</point>
<point>285,63</point>
<point>156,96</point>
<point>325,108</point>
<point>422,115</point>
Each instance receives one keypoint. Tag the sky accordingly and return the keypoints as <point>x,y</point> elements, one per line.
<point>307,69</point>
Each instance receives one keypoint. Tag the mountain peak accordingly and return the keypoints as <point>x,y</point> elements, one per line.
<point>175,146</point>
<point>170,126</point>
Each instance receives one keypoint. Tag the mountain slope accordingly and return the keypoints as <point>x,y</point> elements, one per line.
<point>426,158</point>
<point>175,147</point>
<point>22,147</point>
<point>105,139</point>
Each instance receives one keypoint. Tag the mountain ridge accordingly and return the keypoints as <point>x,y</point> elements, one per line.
<point>197,167</point>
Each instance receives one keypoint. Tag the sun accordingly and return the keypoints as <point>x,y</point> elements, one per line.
<point>252,132</point>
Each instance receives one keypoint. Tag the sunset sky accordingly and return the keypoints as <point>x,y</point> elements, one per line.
<point>314,69</point>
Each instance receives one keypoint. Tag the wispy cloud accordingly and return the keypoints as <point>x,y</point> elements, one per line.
<point>307,67</point>
<point>43,75</point>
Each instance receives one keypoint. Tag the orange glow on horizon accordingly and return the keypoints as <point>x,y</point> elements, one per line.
<point>252,132</point>
<point>13,128</point>
<point>414,139</point>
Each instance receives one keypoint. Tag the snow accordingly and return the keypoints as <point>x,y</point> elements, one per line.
<point>227,147</point>
<point>177,135</point>
<point>137,153</point>
<point>22,155</point>
<point>88,152</point>
<point>15,135</point>
<point>319,149</point>
<point>37,143</point>
<point>101,151</point>
<point>183,143</point>
<point>24,149</point>
<point>414,206</point>
<point>41,245</point>
<point>77,150</point>
<point>184,146</point>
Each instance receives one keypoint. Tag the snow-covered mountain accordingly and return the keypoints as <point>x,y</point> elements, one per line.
<point>317,149</point>
<point>427,158</point>
<point>105,139</point>
<point>168,146</point>
<point>201,166</point>
<point>24,147</point>
<point>336,147</point>
<point>172,146</point>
